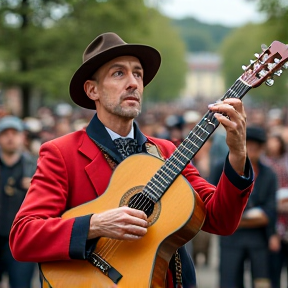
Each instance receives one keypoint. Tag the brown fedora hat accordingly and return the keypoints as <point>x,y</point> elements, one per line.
<point>101,50</point>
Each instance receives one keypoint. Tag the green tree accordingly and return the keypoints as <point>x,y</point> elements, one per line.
<point>42,54</point>
<point>171,76</point>
<point>200,36</point>
<point>239,47</point>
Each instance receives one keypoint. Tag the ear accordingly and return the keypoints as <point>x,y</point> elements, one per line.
<point>91,89</point>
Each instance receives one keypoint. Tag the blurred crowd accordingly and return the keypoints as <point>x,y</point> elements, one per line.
<point>264,227</point>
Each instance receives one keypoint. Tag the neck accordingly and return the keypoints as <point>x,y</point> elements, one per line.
<point>10,158</point>
<point>120,126</point>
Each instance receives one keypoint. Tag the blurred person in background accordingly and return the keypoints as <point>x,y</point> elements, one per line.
<point>256,232</point>
<point>17,168</point>
<point>175,125</point>
<point>277,158</point>
<point>191,118</point>
<point>201,242</point>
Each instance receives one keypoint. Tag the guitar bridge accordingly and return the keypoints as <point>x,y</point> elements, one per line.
<point>104,267</point>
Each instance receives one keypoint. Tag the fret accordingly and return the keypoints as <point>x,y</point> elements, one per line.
<point>149,191</point>
<point>155,188</point>
<point>151,196</point>
<point>194,144</point>
<point>166,167</point>
<point>165,174</point>
<point>203,129</point>
<point>159,183</point>
<point>170,162</point>
<point>184,147</point>
<point>160,176</point>
<point>198,137</point>
<point>179,158</point>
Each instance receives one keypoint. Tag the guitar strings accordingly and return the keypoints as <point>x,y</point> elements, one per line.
<point>239,88</point>
<point>113,244</point>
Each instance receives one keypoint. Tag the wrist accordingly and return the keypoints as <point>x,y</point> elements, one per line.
<point>94,227</point>
<point>238,162</point>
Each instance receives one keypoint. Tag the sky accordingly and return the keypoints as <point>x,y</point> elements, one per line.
<point>227,12</point>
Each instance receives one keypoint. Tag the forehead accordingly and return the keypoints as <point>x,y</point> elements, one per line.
<point>9,130</point>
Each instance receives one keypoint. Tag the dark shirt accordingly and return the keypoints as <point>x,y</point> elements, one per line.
<point>12,194</point>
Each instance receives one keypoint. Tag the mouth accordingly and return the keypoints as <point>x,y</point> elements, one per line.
<point>131,98</point>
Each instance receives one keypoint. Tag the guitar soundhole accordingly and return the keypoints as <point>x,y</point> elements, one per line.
<point>134,198</point>
<point>141,202</point>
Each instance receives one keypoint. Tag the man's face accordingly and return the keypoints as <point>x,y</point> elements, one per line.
<point>119,86</point>
<point>254,150</point>
<point>11,141</point>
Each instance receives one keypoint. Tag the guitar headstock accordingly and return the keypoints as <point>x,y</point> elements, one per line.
<point>269,63</point>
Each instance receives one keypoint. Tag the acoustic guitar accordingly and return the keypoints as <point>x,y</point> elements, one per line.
<point>175,211</point>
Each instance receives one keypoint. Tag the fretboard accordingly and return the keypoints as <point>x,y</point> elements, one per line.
<point>184,153</point>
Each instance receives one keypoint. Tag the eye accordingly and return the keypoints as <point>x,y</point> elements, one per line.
<point>138,75</point>
<point>118,73</point>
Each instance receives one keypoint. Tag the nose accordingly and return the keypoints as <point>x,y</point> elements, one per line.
<point>132,83</point>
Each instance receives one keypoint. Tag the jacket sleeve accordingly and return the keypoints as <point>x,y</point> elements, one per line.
<point>38,233</point>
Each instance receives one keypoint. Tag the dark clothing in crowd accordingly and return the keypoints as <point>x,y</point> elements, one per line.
<point>249,243</point>
<point>11,196</point>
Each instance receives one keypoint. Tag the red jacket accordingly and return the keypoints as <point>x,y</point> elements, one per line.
<point>71,171</point>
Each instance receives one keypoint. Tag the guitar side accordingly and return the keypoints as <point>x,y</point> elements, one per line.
<point>143,263</point>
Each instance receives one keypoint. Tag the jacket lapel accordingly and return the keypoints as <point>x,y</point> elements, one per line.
<point>98,170</point>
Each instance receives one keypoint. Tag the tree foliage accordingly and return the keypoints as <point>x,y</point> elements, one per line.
<point>239,47</point>
<point>42,42</point>
<point>200,36</point>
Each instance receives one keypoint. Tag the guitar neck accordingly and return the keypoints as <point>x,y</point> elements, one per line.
<point>184,153</point>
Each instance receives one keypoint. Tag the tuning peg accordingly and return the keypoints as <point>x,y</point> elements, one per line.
<point>252,61</point>
<point>276,60</point>
<point>285,66</point>
<point>256,55</point>
<point>269,82</point>
<point>278,73</point>
<point>263,73</point>
<point>264,47</point>
<point>244,67</point>
<point>270,66</point>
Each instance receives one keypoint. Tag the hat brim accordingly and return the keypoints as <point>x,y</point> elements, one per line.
<point>148,56</point>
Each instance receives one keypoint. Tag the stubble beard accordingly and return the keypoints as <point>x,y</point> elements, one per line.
<point>129,112</point>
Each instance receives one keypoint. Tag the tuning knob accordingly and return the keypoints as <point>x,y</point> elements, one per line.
<point>256,55</point>
<point>264,47</point>
<point>278,73</point>
<point>263,73</point>
<point>244,67</point>
<point>276,60</point>
<point>269,82</point>
<point>285,66</point>
<point>270,66</point>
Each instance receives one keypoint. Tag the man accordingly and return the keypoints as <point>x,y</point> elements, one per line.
<point>77,168</point>
<point>256,231</point>
<point>17,168</point>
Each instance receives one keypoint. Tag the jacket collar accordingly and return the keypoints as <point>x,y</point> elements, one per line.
<point>97,132</point>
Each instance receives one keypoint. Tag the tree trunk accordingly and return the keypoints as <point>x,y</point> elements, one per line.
<point>25,88</point>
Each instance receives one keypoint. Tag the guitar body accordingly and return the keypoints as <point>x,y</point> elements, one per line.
<point>143,263</point>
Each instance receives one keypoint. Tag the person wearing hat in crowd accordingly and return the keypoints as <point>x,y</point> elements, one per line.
<point>256,231</point>
<point>16,169</point>
<point>77,167</point>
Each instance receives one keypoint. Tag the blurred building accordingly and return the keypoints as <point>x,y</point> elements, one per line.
<point>204,78</point>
